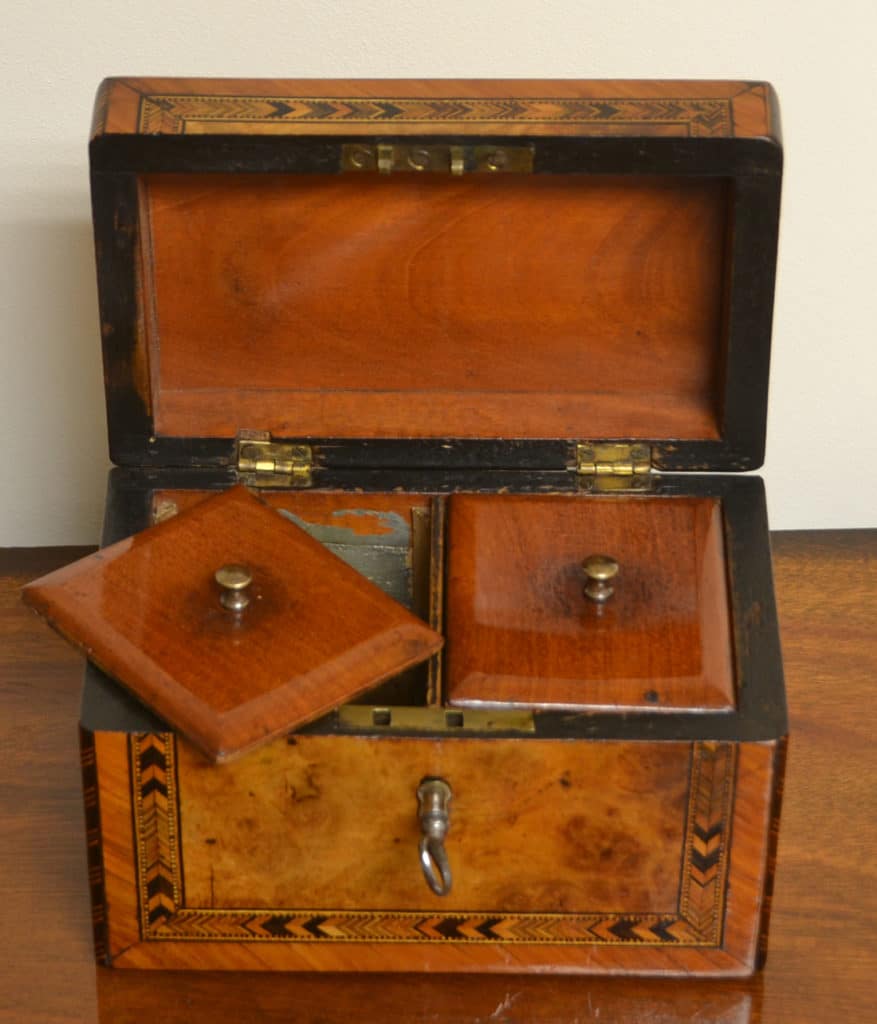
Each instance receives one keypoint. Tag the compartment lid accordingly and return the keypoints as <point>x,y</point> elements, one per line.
<point>157,612</point>
<point>526,626</point>
<point>436,273</point>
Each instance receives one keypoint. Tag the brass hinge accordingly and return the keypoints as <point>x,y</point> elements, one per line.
<point>262,462</point>
<point>614,466</point>
<point>441,158</point>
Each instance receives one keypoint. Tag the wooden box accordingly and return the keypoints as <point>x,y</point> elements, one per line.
<point>467,334</point>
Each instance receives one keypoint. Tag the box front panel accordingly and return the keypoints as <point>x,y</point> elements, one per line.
<point>568,856</point>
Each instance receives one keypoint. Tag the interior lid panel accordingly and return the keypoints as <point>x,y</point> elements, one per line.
<point>426,307</point>
<point>620,290</point>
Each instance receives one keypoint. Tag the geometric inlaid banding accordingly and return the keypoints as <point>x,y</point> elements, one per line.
<point>159,880</point>
<point>697,922</point>
<point>175,114</point>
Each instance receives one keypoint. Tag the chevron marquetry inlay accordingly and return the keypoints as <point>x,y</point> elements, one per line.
<point>179,114</point>
<point>163,915</point>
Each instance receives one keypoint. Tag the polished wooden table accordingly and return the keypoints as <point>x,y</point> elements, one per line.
<point>822,964</point>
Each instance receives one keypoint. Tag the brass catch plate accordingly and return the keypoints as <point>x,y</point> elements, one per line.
<point>446,720</point>
<point>417,158</point>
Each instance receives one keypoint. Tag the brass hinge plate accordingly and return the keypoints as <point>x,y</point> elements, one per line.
<point>417,158</point>
<point>262,462</point>
<point>613,466</point>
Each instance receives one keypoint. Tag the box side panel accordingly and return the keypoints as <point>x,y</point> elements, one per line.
<point>749,852</point>
<point>117,839</point>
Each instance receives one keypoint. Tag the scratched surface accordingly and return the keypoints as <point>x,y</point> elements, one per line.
<point>382,554</point>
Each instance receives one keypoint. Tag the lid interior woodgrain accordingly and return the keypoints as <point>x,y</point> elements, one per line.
<point>617,285</point>
<point>353,306</point>
<point>315,633</point>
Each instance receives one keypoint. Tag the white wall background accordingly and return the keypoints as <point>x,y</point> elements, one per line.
<point>822,455</point>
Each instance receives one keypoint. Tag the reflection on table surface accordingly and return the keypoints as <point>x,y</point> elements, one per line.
<point>193,997</point>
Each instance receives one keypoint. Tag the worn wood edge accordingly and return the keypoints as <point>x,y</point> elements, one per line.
<point>94,843</point>
<point>111,111</point>
<point>780,758</point>
<point>755,112</point>
<point>199,956</point>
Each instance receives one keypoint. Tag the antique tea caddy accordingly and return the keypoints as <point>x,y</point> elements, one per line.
<point>439,652</point>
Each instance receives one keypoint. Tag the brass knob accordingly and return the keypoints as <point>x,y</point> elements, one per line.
<point>234,581</point>
<point>600,570</point>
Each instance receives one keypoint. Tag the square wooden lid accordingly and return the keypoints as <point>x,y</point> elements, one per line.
<point>521,632</point>
<point>149,612</point>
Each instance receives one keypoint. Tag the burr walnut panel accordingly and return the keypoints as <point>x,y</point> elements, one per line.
<point>332,823</point>
<point>429,306</point>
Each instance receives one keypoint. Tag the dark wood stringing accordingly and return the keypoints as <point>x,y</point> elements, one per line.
<point>779,774</point>
<point>94,853</point>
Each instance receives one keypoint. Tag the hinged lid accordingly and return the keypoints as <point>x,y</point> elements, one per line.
<point>232,623</point>
<point>436,273</point>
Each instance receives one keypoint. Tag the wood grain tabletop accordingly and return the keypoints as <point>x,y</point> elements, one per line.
<point>821,965</point>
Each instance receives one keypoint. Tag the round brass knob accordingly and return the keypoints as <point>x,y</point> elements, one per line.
<point>599,570</point>
<point>234,581</point>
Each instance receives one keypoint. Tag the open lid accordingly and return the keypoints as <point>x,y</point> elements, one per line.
<point>436,273</point>
<point>232,623</point>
